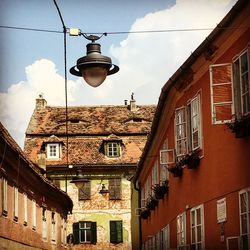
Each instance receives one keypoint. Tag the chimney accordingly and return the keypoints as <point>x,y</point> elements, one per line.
<point>132,106</point>
<point>41,160</point>
<point>40,102</point>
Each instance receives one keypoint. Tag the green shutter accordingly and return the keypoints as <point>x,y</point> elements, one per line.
<point>116,231</point>
<point>93,233</point>
<point>76,233</point>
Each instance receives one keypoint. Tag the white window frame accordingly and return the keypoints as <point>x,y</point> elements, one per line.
<point>63,232</point>
<point>246,215</point>
<point>113,149</point>
<point>25,208</point>
<point>4,197</point>
<point>165,160</point>
<point>165,238</point>
<point>33,214</point>
<point>55,153</point>
<point>194,227</point>
<point>181,230</point>
<point>53,227</point>
<point>181,132</point>
<point>44,224</point>
<point>195,121</point>
<point>85,229</point>
<point>155,174</point>
<point>214,104</point>
<point>237,81</point>
<point>15,204</point>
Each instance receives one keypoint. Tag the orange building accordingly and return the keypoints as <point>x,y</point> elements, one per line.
<point>33,211</point>
<point>194,173</point>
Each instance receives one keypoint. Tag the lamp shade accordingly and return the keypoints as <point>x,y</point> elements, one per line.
<point>79,180</point>
<point>94,67</point>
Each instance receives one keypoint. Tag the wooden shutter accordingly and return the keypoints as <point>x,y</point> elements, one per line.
<point>76,233</point>
<point>93,233</point>
<point>85,192</point>
<point>221,93</point>
<point>114,189</point>
<point>116,231</point>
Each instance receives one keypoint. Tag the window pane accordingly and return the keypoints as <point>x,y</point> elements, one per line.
<point>198,216</point>
<point>199,233</point>
<point>243,202</point>
<point>244,223</point>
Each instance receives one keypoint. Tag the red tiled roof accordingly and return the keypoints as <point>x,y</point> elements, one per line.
<point>88,129</point>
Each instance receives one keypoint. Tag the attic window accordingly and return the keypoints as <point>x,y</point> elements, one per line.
<point>74,121</point>
<point>112,149</point>
<point>53,151</point>
<point>137,119</point>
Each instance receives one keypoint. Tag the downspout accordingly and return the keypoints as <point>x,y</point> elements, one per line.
<point>138,189</point>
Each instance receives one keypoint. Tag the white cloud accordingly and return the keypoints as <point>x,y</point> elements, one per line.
<point>146,62</point>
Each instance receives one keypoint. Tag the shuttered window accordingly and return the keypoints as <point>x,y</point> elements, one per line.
<point>116,232</point>
<point>84,193</point>
<point>4,196</point>
<point>221,93</point>
<point>84,232</point>
<point>114,189</point>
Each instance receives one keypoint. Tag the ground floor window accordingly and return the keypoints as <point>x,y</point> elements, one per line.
<point>244,197</point>
<point>197,228</point>
<point>116,231</point>
<point>84,232</point>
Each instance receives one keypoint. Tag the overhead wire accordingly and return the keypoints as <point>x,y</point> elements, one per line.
<point>122,32</point>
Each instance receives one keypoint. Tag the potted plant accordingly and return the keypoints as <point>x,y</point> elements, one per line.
<point>160,189</point>
<point>152,202</point>
<point>145,213</point>
<point>241,127</point>
<point>177,169</point>
<point>193,160</point>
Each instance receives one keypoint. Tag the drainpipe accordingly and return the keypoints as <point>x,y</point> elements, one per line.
<point>138,189</point>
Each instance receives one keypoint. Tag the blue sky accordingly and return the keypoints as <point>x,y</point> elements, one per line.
<point>33,63</point>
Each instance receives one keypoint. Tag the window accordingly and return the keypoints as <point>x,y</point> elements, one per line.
<point>116,231</point>
<point>166,157</point>
<point>84,232</point>
<point>53,151</point>
<point>155,176</point>
<point>114,189</point>
<point>197,228</point>
<point>84,193</point>
<point>188,127</point>
<point>181,132</point>
<point>244,197</point>
<point>221,93</point>
<point>25,209</point>
<point>53,226</point>
<point>112,149</point>
<point>33,214</point>
<point>165,240</point>
<point>181,231</point>
<point>241,81</point>
<point>15,206</point>
<point>44,223</point>
<point>230,89</point>
<point>4,197</point>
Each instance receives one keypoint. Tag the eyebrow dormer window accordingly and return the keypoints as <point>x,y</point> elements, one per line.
<point>112,149</point>
<point>53,150</point>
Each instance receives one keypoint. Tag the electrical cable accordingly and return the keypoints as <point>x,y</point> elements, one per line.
<point>127,32</point>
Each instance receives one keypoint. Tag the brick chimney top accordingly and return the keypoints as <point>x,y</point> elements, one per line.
<point>132,105</point>
<point>41,102</point>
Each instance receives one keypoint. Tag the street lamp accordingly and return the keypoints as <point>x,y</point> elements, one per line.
<point>94,67</point>
<point>79,180</point>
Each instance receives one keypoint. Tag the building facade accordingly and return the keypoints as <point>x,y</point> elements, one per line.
<point>103,144</point>
<point>33,210</point>
<point>194,173</point>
